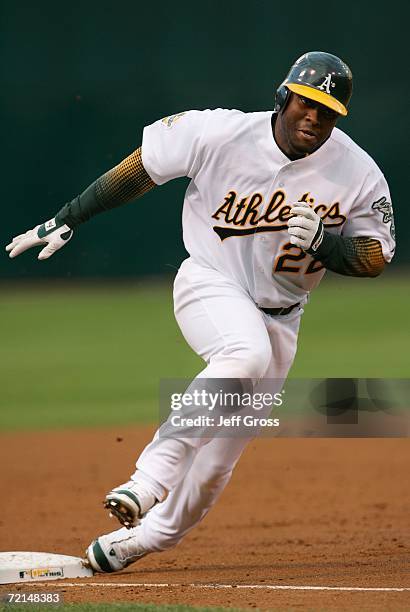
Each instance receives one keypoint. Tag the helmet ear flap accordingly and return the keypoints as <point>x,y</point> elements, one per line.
<point>281,98</point>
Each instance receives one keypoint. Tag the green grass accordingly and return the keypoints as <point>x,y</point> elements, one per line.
<point>356,328</point>
<point>94,357</point>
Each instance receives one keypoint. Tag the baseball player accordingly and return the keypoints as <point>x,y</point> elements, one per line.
<point>275,199</point>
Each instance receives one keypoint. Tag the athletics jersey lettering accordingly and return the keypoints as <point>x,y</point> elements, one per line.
<point>243,185</point>
<point>247,211</point>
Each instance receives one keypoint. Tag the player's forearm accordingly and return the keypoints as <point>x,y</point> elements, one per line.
<point>127,181</point>
<point>359,256</point>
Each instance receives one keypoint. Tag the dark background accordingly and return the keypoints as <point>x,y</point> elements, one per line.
<point>80,80</point>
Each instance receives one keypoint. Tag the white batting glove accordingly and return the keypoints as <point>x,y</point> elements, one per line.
<point>305,228</point>
<point>53,235</point>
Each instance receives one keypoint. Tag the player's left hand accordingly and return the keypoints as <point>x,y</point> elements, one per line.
<point>305,227</point>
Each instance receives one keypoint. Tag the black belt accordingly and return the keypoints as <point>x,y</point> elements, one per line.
<point>279,311</point>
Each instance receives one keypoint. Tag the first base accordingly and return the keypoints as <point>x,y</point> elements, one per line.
<point>18,567</point>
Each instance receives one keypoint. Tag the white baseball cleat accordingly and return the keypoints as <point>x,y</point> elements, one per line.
<point>129,503</point>
<point>114,551</point>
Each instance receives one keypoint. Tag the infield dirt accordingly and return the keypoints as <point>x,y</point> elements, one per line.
<point>297,512</point>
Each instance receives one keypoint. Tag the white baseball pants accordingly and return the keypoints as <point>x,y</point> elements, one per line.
<point>223,325</point>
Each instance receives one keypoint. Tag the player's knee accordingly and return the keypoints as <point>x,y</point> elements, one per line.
<point>254,361</point>
<point>242,361</point>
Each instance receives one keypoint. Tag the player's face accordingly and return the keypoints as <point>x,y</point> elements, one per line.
<point>304,125</point>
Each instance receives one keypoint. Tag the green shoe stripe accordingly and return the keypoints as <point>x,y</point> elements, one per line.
<point>132,497</point>
<point>101,558</point>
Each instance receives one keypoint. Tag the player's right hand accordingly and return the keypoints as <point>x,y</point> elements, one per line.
<point>51,234</point>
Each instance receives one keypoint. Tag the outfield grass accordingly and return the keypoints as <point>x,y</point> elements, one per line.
<point>88,357</point>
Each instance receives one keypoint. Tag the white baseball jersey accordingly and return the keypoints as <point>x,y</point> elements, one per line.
<point>242,186</point>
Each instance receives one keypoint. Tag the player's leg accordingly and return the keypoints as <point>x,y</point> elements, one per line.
<point>166,524</point>
<point>213,465</point>
<point>224,326</point>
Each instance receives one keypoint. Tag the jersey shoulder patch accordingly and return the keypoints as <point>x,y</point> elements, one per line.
<point>384,207</point>
<point>172,119</point>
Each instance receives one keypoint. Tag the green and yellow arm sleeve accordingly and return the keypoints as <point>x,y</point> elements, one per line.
<point>123,183</point>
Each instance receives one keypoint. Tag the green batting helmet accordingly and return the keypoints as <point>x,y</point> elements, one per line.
<point>318,76</point>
